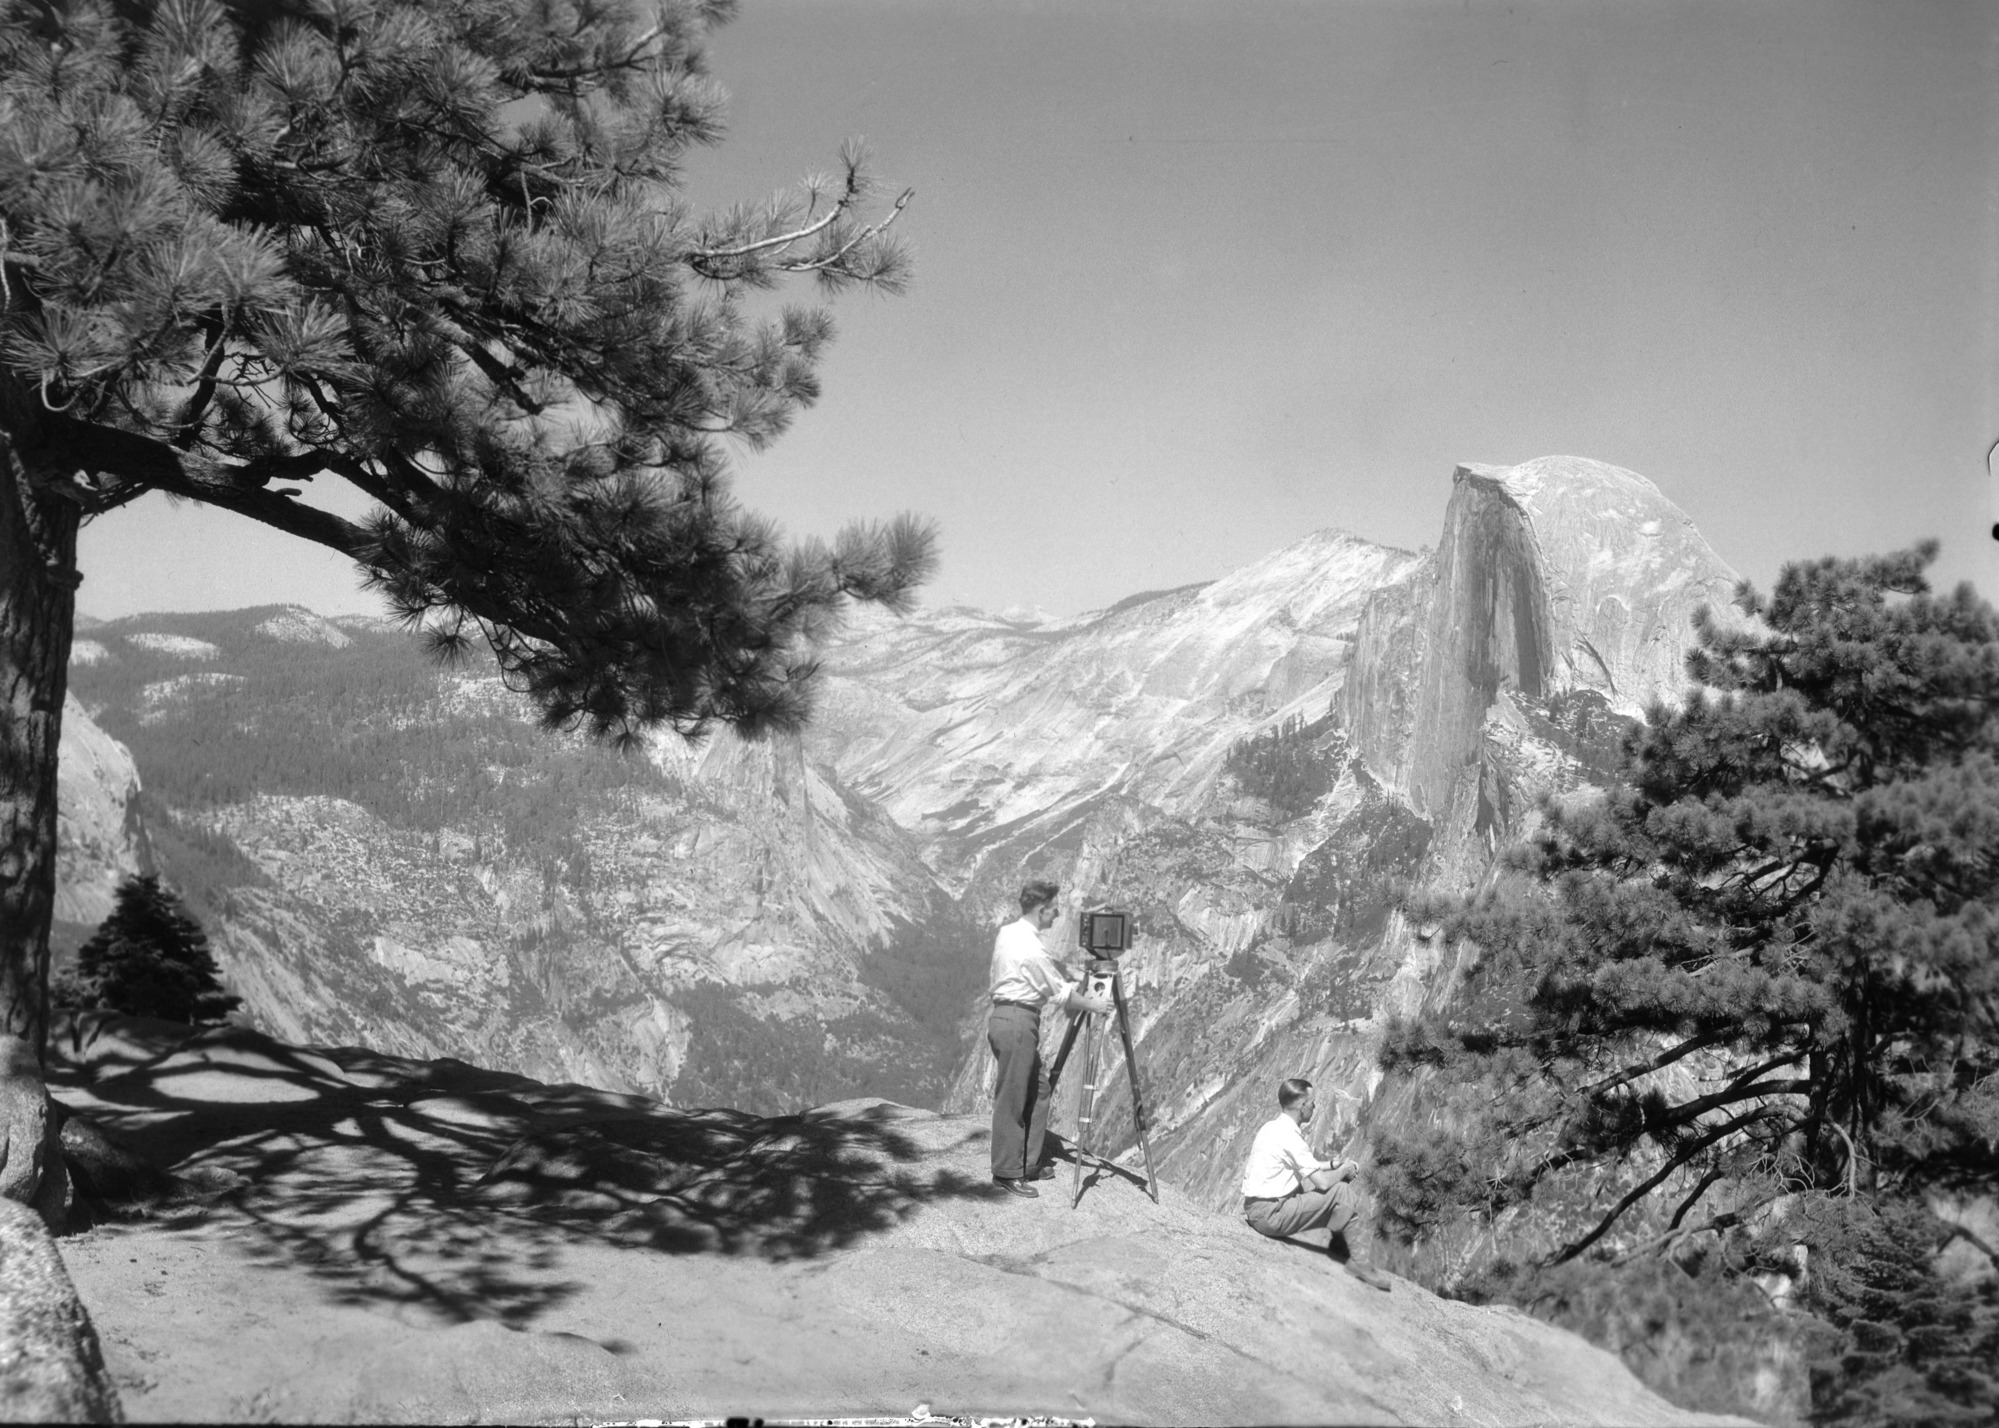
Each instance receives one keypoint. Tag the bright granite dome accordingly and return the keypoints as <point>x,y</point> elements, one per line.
<point>1624,570</point>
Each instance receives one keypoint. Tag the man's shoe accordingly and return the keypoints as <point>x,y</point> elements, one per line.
<point>1043,1172</point>
<point>1017,1187</point>
<point>1367,1274</point>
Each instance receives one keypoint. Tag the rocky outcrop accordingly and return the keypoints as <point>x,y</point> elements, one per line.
<point>977,732</point>
<point>777,925</point>
<point>702,922</point>
<point>1622,570</point>
<point>100,837</point>
<point>51,1364</point>
<point>1554,576</point>
<point>424,1241</point>
<point>31,1161</point>
<point>774,924</point>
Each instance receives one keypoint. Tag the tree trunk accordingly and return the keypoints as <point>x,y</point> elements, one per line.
<point>38,579</point>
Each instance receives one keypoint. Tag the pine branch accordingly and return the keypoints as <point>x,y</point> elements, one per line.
<point>1687,1112</point>
<point>1714,1224</point>
<point>188,425</point>
<point>1652,1182</point>
<point>233,485</point>
<point>834,259</point>
<point>629,60</point>
<point>1707,1182</point>
<point>1664,1059</point>
<point>403,498</point>
<point>1852,1158</point>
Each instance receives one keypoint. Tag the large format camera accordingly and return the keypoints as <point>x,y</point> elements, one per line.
<point>1104,934</point>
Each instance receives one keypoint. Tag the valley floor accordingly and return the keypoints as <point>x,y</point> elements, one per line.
<point>428,1241</point>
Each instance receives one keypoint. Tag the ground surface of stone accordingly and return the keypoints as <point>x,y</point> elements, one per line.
<point>51,1368</point>
<point>428,1241</point>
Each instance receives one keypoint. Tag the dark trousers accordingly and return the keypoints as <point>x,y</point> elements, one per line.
<point>1020,1100</point>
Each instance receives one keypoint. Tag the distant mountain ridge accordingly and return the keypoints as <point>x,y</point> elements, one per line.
<point>387,853</point>
<point>977,733</point>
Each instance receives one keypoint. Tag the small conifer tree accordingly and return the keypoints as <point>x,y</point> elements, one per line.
<point>149,958</point>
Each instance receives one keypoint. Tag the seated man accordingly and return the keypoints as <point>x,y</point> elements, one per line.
<point>1286,1188</point>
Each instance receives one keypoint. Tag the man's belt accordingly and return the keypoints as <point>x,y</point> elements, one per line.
<point>1030,1006</point>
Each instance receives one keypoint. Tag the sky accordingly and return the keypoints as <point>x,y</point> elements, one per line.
<point>1194,280</point>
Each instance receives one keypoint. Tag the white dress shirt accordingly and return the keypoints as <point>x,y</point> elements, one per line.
<point>1279,1161</point>
<point>1022,969</point>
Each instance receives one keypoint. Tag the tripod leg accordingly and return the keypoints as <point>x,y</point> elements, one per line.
<point>1087,1109</point>
<point>1062,1053</point>
<point>1137,1105</point>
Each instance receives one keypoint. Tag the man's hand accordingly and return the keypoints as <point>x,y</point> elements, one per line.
<point>1327,1179</point>
<point>1095,1006</point>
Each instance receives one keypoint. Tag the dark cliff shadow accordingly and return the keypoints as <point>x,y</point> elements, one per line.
<point>446,1188</point>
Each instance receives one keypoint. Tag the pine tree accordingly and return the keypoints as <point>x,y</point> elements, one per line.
<point>1763,971</point>
<point>436,250</point>
<point>148,958</point>
<point>1913,1346</point>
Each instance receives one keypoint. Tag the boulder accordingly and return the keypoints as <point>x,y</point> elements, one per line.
<point>51,1365</point>
<point>31,1164</point>
<point>109,1179</point>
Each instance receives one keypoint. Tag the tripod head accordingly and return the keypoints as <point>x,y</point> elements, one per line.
<point>1100,979</point>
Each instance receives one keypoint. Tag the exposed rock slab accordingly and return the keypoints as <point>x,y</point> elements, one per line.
<point>1556,575</point>
<point>970,728</point>
<point>428,1241</point>
<point>99,838</point>
<point>31,1162</point>
<point>51,1365</point>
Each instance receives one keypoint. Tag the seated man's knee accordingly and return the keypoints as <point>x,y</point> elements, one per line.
<point>1343,1201</point>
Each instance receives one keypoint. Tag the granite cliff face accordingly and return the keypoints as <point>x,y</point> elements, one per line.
<point>391,855</point>
<point>987,737</point>
<point>387,854</point>
<point>1558,603</point>
<point>100,837</point>
<point>1559,576</point>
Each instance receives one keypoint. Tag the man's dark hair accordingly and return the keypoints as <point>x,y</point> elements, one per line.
<point>1292,1092</point>
<point>1037,894</point>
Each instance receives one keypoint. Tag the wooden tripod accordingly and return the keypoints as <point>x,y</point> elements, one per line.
<point>1100,979</point>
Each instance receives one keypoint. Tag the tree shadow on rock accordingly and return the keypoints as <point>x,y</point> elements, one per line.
<point>723,1181</point>
<point>440,1187</point>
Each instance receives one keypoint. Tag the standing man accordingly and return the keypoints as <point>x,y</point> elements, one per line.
<point>1286,1188</point>
<point>1024,980</point>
